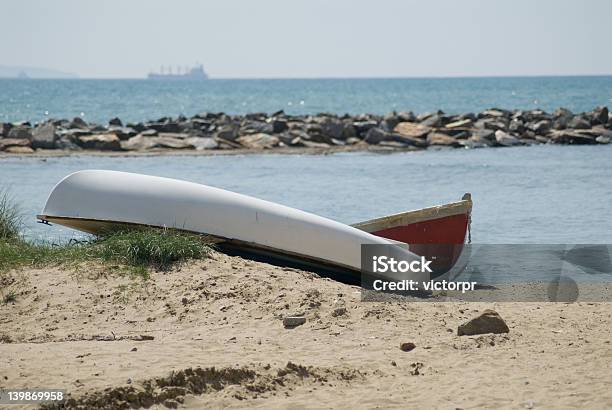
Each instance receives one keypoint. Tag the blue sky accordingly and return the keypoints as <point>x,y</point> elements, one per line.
<point>315,38</point>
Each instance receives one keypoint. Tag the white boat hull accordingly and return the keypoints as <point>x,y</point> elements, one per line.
<point>94,201</point>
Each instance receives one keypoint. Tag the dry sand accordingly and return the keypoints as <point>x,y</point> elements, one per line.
<point>80,330</point>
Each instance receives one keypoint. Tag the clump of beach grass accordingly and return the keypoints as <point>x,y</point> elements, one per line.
<point>10,217</point>
<point>151,247</point>
<point>136,250</point>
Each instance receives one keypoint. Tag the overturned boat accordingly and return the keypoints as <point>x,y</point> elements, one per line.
<point>96,201</point>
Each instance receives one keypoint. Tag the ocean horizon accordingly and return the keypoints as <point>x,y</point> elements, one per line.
<point>98,100</point>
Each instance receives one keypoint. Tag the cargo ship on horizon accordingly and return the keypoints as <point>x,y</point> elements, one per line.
<point>195,73</point>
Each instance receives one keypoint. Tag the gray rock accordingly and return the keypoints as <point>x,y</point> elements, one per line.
<point>579,123</point>
<point>124,133</point>
<point>540,127</point>
<point>603,139</point>
<point>5,128</point>
<point>6,143</point>
<point>290,322</point>
<point>362,127</point>
<point>506,140</point>
<point>475,142</point>
<point>599,116</point>
<point>459,124</point>
<point>203,143</point>
<point>256,127</point>
<point>115,122</point>
<point>407,346</point>
<point>278,125</point>
<point>258,141</point>
<point>406,116</point>
<point>148,133</point>
<point>349,131</point>
<point>493,124</point>
<point>436,138</point>
<point>413,130</point>
<point>436,120</point>
<point>227,132</point>
<point>20,132</point>
<point>138,143</point>
<point>484,133</point>
<point>78,122</point>
<point>44,136</point>
<point>571,137</point>
<point>101,142</point>
<point>171,143</point>
<point>487,322</point>
<point>165,126</point>
<point>389,121</point>
<point>66,142</point>
<point>332,127</point>
<point>516,126</point>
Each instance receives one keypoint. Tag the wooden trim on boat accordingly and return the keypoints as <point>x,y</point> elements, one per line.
<point>410,217</point>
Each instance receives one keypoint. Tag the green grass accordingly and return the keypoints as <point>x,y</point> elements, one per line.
<point>135,250</point>
<point>10,217</point>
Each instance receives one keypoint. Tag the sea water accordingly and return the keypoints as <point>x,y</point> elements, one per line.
<point>139,100</point>
<point>536,194</point>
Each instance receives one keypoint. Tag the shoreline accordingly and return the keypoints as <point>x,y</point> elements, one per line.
<point>324,133</point>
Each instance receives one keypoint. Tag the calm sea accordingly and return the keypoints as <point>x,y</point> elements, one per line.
<point>545,194</point>
<point>539,194</point>
<point>138,100</point>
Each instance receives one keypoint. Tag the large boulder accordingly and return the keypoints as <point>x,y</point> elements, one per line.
<point>599,116</point>
<point>437,138</point>
<point>256,127</point>
<point>332,127</point>
<point>488,322</point>
<point>202,143</point>
<point>124,133</point>
<point>100,142</point>
<point>412,130</point>
<point>139,142</point>
<point>6,143</point>
<point>571,137</point>
<point>579,122</point>
<point>171,143</point>
<point>18,150</point>
<point>20,132</point>
<point>379,136</point>
<point>389,121</point>
<point>506,140</point>
<point>227,132</point>
<point>78,122</point>
<point>5,128</point>
<point>116,122</point>
<point>258,141</point>
<point>362,127</point>
<point>44,136</point>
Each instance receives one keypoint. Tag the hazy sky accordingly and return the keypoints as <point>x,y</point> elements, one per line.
<point>314,38</point>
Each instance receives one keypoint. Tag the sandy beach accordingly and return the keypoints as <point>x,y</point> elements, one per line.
<point>113,341</point>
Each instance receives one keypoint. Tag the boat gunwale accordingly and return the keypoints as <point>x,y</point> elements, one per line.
<point>462,207</point>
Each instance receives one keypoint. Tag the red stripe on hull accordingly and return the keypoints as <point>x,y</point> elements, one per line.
<point>440,240</point>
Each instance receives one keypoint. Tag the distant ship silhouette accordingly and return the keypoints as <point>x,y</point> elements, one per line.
<point>195,73</point>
